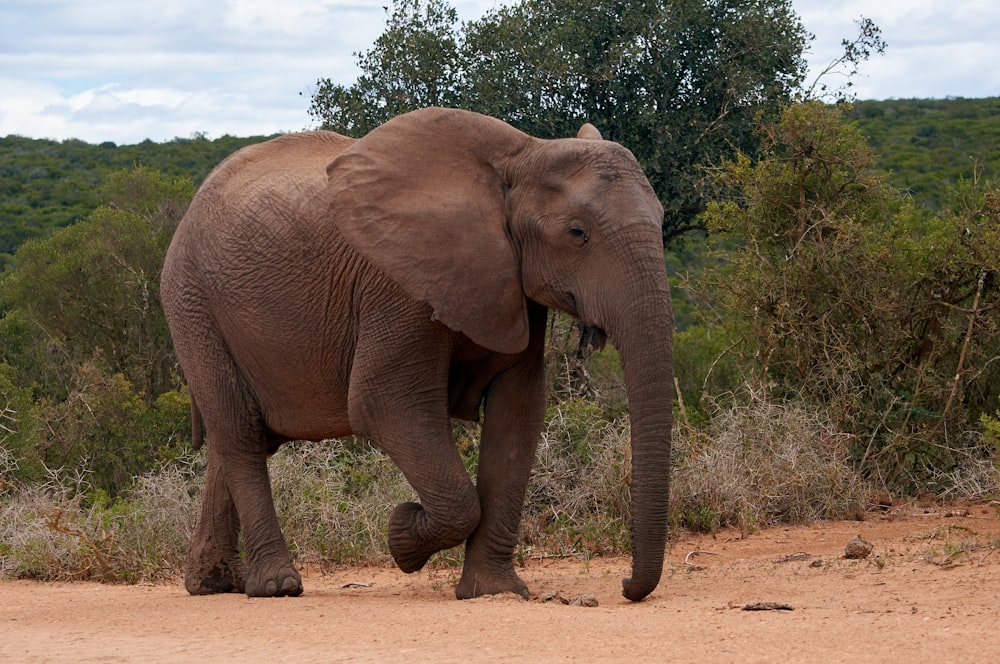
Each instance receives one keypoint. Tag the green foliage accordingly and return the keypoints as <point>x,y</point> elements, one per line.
<point>878,313</point>
<point>991,433</point>
<point>414,63</point>
<point>18,431</point>
<point>703,368</point>
<point>106,426</point>
<point>87,367</point>
<point>159,200</point>
<point>46,185</point>
<point>679,83</point>
<point>94,287</point>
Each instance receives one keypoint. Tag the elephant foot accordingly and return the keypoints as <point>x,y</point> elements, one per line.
<point>475,584</point>
<point>213,579</point>
<point>279,581</point>
<point>407,550</point>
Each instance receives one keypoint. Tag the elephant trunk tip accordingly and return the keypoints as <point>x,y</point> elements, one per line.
<point>636,590</point>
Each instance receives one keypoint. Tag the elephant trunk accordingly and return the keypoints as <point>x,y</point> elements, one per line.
<point>644,342</point>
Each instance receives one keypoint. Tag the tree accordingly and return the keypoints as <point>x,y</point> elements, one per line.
<point>414,63</point>
<point>87,369</point>
<point>848,64</point>
<point>679,82</point>
<point>90,291</point>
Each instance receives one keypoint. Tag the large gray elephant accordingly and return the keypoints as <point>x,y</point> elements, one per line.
<point>321,286</point>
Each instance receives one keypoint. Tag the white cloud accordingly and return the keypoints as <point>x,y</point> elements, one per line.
<point>935,49</point>
<point>124,71</point>
<point>128,70</point>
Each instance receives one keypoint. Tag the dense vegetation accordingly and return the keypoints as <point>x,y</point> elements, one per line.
<point>678,83</point>
<point>833,334</point>
<point>843,295</point>
<point>923,146</point>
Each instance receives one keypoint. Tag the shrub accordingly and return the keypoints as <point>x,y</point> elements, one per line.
<point>64,528</point>
<point>93,285</point>
<point>762,462</point>
<point>863,306</point>
<point>106,426</point>
<point>18,431</point>
<point>333,500</point>
<point>758,463</point>
<point>578,499</point>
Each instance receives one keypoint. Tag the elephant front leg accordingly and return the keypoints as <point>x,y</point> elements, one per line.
<point>213,562</point>
<point>515,411</point>
<point>399,399</point>
<point>449,506</point>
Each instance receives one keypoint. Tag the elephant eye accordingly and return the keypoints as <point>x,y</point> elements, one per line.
<point>579,234</point>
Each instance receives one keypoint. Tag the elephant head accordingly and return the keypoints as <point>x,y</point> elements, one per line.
<point>476,218</point>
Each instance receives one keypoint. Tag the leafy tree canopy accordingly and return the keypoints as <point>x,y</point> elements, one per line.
<point>87,370</point>
<point>679,82</point>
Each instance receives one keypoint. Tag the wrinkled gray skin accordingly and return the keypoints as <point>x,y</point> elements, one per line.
<point>321,286</point>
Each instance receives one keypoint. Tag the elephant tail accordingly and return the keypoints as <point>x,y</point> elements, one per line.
<point>197,432</point>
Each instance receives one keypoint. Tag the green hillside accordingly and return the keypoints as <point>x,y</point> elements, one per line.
<point>926,144</point>
<point>923,145</point>
<point>46,184</point>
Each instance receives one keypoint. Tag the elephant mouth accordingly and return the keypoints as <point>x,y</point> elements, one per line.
<point>569,303</point>
<point>592,339</point>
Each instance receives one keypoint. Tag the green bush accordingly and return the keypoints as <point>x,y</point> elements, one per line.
<point>880,314</point>
<point>703,367</point>
<point>93,286</point>
<point>88,377</point>
<point>104,425</point>
<point>18,432</point>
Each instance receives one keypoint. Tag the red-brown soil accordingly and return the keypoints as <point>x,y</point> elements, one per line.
<point>929,592</point>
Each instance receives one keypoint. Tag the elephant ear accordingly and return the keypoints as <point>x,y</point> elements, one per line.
<point>420,199</point>
<point>589,132</point>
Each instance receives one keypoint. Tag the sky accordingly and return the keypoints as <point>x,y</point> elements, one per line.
<point>129,70</point>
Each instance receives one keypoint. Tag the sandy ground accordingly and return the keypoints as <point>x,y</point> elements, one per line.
<point>929,592</point>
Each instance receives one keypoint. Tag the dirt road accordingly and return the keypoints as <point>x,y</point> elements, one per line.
<point>929,592</point>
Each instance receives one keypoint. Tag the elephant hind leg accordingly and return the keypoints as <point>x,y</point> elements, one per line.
<point>270,572</point>
<point>213,563</point>
<point>238,494</point>
<point>238,490</point>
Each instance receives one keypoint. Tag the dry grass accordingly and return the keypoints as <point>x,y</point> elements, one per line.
<point>758,462</point>
<point>62,529</point>
<point>762,462</point>
<point>333,500</point>
<point>578,499</point>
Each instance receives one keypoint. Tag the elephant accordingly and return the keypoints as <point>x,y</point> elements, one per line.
<point>321,286</point>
